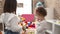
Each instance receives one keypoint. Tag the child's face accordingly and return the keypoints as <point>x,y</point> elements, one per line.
<point>39,17</point>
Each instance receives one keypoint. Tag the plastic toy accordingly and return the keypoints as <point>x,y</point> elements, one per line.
<point>28,25</point>
<point>22,19</point>
<point>28,17</point>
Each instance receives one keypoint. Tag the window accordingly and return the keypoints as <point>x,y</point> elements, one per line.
<point>24,7</point>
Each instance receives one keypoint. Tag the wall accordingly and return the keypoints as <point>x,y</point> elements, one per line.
<point>1,6</point>
<point>1,11</point>
<point>56,5</point>
<point>34,3</point>
<point>50,13</point>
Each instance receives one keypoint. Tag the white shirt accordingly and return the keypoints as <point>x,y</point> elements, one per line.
<point>41,27</point>
<point>11,22</point>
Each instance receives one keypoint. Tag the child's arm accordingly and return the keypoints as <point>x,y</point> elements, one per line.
<point>1,18</point>
<point>14,24</point>
<point>42,27</point>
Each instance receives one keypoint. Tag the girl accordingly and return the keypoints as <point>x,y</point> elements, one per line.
<point>10,19</point>
<point>41,23</point>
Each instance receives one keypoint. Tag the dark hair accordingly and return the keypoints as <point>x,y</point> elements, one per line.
<point>41,11</point>
<point>10,6</point>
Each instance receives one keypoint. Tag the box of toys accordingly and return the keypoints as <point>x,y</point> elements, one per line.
<point>27,23</point>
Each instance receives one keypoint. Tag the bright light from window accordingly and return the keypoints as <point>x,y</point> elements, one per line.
<point>26,9</point>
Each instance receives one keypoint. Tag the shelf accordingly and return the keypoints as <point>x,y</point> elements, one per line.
<point>49,27</point>
<point>48,31</point>
<point>50,21</point>
<point>57,24</point>
<point>57,29</point>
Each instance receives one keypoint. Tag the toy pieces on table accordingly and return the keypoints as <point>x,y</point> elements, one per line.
<point>21,24</point>
<point>26,22</point>
<point>29,23</point>
<point>22,19</point>
<point>32,25</point>
<point>24,28</point>
<point>27,26</point>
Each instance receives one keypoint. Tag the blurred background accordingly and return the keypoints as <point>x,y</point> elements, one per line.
<point>28,7</point>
